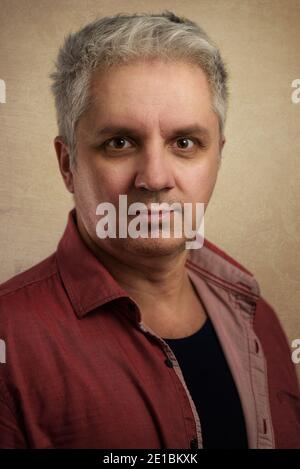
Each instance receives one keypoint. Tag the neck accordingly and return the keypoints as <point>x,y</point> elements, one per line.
<point>161,280</point>
<point>160,286</point>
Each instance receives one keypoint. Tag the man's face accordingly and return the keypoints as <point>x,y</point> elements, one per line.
<point>150,133</point>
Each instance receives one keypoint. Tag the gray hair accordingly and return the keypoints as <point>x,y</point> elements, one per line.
<point>125,38</point>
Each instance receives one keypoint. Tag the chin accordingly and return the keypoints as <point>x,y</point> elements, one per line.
<point>152,247</point>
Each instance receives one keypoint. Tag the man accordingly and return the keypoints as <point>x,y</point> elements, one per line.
<point>132,341</point>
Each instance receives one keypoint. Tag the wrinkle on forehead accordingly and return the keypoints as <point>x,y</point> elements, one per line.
<point>161,96</point>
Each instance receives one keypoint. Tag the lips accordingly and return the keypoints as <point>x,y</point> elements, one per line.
<point>155,215</point>
<point>155,212</point>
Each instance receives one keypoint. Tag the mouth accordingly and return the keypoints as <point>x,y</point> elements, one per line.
<point>155,215</point>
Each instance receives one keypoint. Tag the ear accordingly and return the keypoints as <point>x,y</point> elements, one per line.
<point>221,145</point>
<point>63,157</point>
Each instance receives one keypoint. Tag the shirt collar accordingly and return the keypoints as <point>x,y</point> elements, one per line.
<point>87,281</point>
<point>216,266</point>
<point>90,285</point>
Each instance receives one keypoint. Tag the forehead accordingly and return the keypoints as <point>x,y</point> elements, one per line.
<point>173,93</point>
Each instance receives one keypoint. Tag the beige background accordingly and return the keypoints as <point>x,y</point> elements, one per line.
<point>254,213</point>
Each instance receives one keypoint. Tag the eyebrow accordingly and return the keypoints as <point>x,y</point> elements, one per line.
<point>126,130</point>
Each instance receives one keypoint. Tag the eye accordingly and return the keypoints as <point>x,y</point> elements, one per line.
<point>185,143</point>
<point>117,143</point>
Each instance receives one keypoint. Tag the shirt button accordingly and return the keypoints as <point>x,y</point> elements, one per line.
<point>169,363</point>
<point>194,443</point>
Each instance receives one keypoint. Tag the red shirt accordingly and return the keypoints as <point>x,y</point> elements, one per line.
<point>82,371</point>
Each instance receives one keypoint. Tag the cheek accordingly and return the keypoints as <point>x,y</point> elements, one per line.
<point>102,183</point>
<point>111,184</point>
<point>200,182</point>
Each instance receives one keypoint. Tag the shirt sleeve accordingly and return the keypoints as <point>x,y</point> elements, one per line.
<point>282,379</point>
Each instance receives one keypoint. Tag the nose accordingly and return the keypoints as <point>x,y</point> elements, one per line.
<point>154,171</point>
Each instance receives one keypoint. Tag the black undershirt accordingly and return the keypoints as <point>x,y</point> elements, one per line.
<point>212,388</point>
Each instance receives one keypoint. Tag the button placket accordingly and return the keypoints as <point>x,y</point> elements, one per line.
<point>173,364</point>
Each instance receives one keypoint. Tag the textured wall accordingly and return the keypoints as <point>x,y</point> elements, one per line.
<point>254,214</point>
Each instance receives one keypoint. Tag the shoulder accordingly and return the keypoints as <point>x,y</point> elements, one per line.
<point>34,274</point>
<point>19,293</point>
